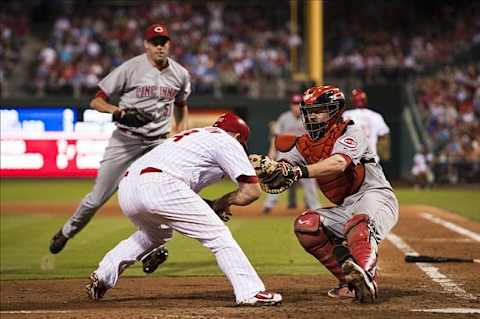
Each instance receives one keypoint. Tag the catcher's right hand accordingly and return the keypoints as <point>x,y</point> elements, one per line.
<point>132,117</point>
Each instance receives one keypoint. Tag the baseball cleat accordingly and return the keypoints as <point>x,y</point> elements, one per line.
<point>341,292</point>
<point>262,298</point>
<point>95,288</point>
<point>153,259</point>
<point>365,288</point>
<point>58,242</point>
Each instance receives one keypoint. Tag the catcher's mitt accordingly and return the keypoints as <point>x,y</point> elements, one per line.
<point>132,117</point>
<point>224,214</point>
<point>275,177</point>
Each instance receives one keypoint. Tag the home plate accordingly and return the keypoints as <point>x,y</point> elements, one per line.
<point>450,310</point>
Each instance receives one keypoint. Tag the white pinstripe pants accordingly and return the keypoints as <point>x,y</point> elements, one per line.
<point>154,199</point>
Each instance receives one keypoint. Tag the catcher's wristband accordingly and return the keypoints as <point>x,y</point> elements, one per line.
<point>303,171</point>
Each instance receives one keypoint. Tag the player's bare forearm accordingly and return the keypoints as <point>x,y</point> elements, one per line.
<point>180,113</point>
<point>330,166</point>
<point>244,195</point>
<point>103,106</point>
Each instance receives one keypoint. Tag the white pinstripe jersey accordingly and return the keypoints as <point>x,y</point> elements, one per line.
<point>199,157</point>
<point>142,86</point>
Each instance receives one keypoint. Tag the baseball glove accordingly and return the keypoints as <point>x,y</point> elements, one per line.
<point>132,117</point>
<point>224,214</point>
<point>275,177</point>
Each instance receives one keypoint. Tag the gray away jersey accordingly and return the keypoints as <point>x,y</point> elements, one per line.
<point>142,86</point>
<point>354,144</point>
<point>287,123</point>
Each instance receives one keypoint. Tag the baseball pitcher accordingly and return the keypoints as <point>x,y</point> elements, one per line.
<point>344,238</point>
<point>160,189</point>
<point>152,88</point>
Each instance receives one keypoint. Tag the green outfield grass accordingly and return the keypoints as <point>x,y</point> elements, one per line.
<point>269,243</point>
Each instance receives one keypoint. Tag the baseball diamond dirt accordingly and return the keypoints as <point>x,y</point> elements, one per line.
<point>437,291</point>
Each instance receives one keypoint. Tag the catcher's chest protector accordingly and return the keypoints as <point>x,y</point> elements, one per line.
<point>337,187</point>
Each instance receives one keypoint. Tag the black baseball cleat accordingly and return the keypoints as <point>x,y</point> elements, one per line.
<point>154,259</point>
<point>58,242</point>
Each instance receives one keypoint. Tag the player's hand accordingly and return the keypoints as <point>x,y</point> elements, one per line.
<point>221,208</point>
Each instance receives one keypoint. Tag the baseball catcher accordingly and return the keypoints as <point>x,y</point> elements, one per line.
<point>336,153</point>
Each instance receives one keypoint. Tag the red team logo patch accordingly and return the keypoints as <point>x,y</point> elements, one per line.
<point>349,142</point>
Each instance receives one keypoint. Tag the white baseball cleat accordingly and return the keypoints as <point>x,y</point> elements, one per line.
<point>263,298</point>
<point>365,288</point>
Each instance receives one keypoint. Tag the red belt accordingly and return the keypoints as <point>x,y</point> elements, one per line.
<point>150,170</point>
<point>147,170</point>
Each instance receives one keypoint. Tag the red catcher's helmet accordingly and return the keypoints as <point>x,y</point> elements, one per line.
<point>232,123</point>
<point>359,98</point>
<point>322,107</point>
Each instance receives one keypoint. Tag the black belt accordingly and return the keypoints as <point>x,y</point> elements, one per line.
<point>150,138</point>
<point>367,161</point>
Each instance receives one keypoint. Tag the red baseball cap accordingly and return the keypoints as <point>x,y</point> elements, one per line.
<point>154,31</point>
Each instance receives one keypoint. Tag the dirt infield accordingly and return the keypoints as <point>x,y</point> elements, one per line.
<point>403,287</point>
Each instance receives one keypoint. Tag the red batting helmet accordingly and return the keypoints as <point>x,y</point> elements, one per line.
<point>232,123</point>
<point>321,108</point>
<point>359,98</point>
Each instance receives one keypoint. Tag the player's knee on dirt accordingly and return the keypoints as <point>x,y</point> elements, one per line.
<point>361,242</point>
<point>316,241</point>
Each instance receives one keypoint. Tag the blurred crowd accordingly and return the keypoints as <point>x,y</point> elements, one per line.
<point>402,40</point>
<point>450,105</point>
<point>244,47</point>
<point>14,28</point>
<point>230,53</point>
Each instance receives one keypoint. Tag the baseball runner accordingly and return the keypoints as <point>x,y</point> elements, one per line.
<point>372,124</point>
<point>160,190</point>
<point>151,87</point>
<point>344,238</point>
<point>290,123</point>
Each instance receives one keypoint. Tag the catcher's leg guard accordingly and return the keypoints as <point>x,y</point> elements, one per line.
<point>315,239</point>
<point>360,271</point>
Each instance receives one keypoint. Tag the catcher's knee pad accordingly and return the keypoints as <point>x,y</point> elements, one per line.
<point>361,242</point>
<point>316,240</point>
